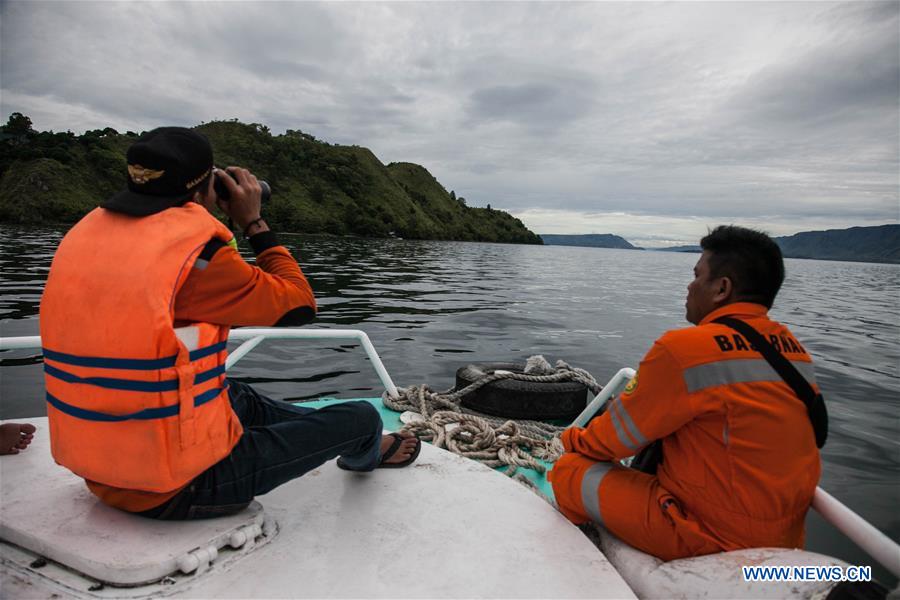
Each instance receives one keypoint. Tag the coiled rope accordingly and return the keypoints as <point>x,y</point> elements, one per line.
<point>490,440</point>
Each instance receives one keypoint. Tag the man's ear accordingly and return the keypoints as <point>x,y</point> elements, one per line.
<point>199,197</point>
<point>724,291</point>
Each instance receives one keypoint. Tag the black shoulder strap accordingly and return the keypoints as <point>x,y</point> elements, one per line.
<point>782,366</point>
<point>815,403</point>
<point>210,249</point>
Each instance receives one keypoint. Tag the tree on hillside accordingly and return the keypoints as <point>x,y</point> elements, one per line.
<point>18,124</point>
<point>99,133</point>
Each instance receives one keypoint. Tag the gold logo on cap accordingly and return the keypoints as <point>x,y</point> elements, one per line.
<point>141,175</point>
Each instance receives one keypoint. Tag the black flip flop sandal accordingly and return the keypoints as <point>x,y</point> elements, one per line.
<point>392,450</point>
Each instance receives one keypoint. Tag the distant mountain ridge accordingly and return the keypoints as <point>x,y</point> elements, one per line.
<point>694,248</point>
<point>879,243</point>
<point>591,240</point>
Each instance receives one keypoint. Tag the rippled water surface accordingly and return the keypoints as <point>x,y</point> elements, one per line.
<point>431,307</point>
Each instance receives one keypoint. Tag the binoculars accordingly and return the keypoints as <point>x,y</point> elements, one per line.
<point>223,193</point>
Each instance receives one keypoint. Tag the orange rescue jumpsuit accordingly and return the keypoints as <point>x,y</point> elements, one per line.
<point>740,460</point>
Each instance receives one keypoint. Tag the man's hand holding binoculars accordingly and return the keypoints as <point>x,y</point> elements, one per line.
<point>239,195</point>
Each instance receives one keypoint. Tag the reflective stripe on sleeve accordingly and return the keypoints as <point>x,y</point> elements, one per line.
<point>620,430</point>
<point>590,489</point>
<point>745,370</point>
<point>629,423</point>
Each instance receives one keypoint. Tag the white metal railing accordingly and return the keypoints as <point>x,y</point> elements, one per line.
<point>864,534</point>
<point>20,343</point>
<point>255,336</point>
<point>612,388</point>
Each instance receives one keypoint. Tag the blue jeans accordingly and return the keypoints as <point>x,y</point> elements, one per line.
<point>280,442</point>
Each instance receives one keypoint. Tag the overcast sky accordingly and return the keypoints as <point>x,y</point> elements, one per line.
<point>650,121</point>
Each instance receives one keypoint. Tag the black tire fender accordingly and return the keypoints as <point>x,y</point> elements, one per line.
<point>517,399</point>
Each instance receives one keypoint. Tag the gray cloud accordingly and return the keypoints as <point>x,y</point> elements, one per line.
<point>539,106</point>
<point>681,112</point>
<point>831,85</point>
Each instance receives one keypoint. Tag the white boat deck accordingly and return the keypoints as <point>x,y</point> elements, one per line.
<point>446,527</point>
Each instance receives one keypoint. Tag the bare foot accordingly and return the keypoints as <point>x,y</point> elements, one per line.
<point>15,437</point>
<point>406,449</point>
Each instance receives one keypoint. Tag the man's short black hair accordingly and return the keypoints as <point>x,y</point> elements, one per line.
<point>750,258</point>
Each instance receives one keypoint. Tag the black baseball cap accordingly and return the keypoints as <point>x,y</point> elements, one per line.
<point>165,166</point>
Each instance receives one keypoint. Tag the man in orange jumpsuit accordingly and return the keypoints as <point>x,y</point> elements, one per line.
<point>740,463</point>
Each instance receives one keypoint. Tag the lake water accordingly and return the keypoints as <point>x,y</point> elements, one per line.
<point>431,307</point>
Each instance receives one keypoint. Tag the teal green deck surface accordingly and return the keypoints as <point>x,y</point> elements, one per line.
<point>391,421</point>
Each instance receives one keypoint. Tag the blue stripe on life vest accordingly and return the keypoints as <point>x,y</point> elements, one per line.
<point>127,385</point>
<point>142,415</point>
<point>129,364</point>
<point>204,352</point>
<point>209,374</point>
<point>130,385</point>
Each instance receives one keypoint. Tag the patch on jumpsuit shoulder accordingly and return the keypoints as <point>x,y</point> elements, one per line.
<point>632,385</point>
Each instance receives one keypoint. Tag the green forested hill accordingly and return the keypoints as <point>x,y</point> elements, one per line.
<point>880,243</point>
<point>48,177</point>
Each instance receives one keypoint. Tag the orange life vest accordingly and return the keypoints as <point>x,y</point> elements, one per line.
<point>133,402</point>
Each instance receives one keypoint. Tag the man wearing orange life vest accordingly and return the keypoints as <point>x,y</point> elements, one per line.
<point>739,457</point>
<point>134,320</point>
